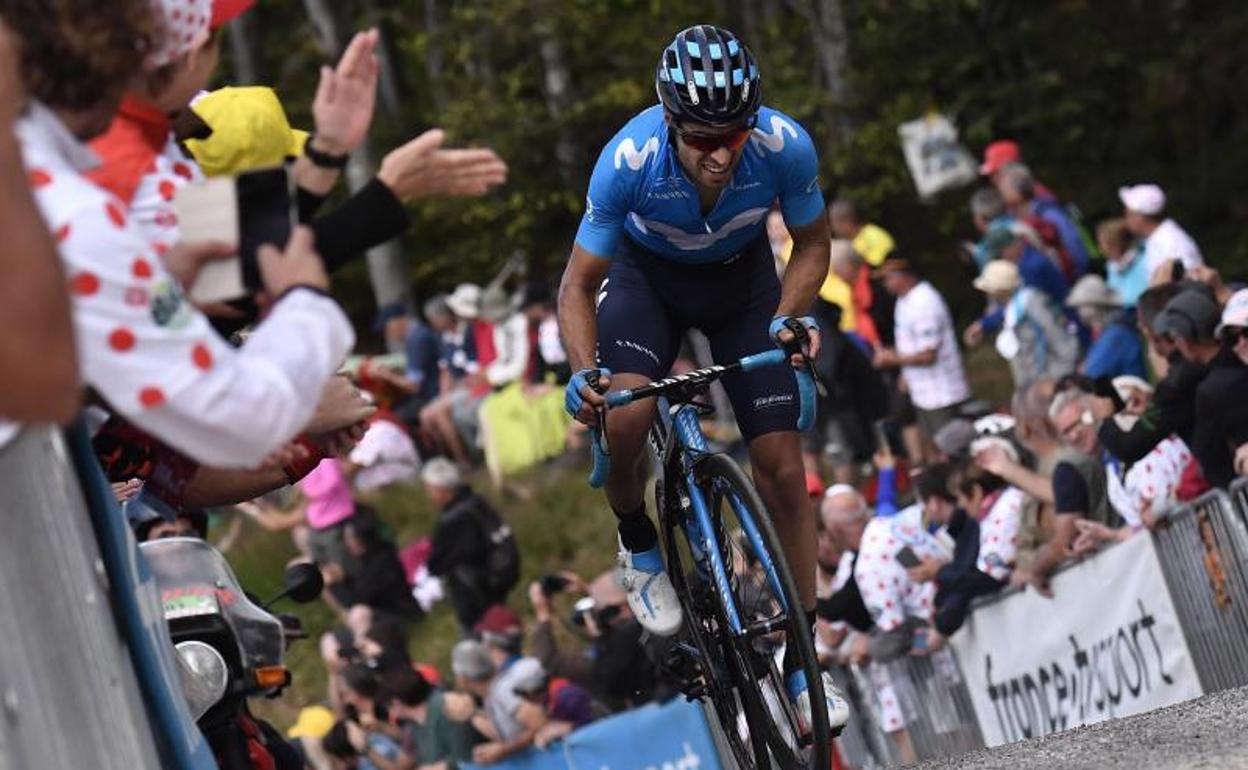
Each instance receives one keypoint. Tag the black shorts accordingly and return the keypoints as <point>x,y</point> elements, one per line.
<point>647,303</point>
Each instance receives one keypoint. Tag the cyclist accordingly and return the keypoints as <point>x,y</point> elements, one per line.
<point>673,237</point>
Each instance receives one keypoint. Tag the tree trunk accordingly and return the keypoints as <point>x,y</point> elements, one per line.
<point>385,262</point>
<point>433,54</point>
<point>826,19</point>
<point>557,85</point>
<point>242,49</point>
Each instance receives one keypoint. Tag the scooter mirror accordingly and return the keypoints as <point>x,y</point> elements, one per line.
<point>302,582</point>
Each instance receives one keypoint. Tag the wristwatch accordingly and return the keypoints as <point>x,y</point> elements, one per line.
<point>323,159</point>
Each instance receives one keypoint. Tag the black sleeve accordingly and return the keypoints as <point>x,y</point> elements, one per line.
<point>1130,446</point>
<point>1070,492</point>
<point>454,542</point>
<point>368,218</point>
<point>1209,441</point>
<point>965,553</point>
<point>308,203</point>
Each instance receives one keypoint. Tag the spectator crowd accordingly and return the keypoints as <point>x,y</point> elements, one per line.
<point>1125,350</point>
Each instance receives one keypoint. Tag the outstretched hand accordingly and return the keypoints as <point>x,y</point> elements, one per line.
<point>423,168</point>
<point>347,96</point>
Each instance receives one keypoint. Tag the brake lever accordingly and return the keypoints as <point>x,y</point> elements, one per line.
<point>801,336</point>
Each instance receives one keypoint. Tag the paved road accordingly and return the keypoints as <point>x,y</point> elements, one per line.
<point>1209,733</point>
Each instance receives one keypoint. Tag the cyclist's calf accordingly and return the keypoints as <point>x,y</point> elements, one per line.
<point>627,427</point>
<point>776,461</point>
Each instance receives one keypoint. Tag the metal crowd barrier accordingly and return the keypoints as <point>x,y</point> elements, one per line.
<point>934,702</point>
<point>1204,555</point>
<point>68,693</point>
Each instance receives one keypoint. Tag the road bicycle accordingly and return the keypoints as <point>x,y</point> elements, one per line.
<point>740,602</point>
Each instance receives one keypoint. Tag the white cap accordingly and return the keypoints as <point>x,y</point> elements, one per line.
<point>440,472</point>
<point>465,301</point>
<point>1147,199</point>
<point>998,275</point>
<point>1091,290</point>
<point>1235,313</point>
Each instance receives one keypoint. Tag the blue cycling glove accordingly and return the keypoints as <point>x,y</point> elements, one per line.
<point>572,399</point>
<point>778,325</point>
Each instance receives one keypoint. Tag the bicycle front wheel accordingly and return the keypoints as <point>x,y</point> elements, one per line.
<point>769,612</point>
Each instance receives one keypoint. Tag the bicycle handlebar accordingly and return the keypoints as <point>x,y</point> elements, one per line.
<point>806,391</point>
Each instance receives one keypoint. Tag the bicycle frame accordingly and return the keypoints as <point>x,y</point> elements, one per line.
<point>677,442</point>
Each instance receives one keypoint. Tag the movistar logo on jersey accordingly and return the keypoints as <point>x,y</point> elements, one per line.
<point>773,141</point>
<point>628,153</point>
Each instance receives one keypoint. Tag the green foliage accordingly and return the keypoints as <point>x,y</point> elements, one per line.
<point>1098,93</point>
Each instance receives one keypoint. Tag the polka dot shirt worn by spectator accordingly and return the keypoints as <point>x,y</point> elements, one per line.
<point>1151,484</point>
<point>151,355</point>
<point>887,591</point>
<point>1001,515</point>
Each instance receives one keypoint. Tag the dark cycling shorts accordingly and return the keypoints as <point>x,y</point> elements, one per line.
<point>647,303</point>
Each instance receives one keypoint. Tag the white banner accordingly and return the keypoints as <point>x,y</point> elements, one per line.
<point>935,159</point>
<point>1108,644</point>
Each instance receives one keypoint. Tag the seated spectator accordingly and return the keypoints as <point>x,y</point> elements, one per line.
<point>507,721</point>
<point>614,666</point>
<point>373,576</point>
<point>1034,338</point>
<point>1164,241</point>
<point>385,455</point>
<point>536,303</point>
<point>1116,346</point>
<point>1046,215</point>
<point>430,738</point>
<point>461,543</point>
<point>324,505</point>
<point>1126,269</point>
<point>361,736</point>
<point>1221,406</point>
<point>468,349</point>
<point>421,380</point>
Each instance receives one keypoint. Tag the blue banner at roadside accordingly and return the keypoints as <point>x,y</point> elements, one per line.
<point>672,736</point>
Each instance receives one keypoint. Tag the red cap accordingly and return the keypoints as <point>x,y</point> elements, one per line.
<point>998,154</point>
<point>498,619</point>
<point>814,485</point>
<point>225,11</point>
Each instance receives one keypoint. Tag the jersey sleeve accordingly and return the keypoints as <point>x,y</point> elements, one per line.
<point>801,201</point>
<point>606,206</point>
<point>156,359</point>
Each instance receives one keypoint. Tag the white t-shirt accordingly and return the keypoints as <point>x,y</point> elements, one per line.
<point>386,455</point>
<point>1169,242</point>
<point>922,322</point>
<point>1151,483</point>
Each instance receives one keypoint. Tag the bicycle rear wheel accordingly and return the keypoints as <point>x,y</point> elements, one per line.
<point>770,612</point>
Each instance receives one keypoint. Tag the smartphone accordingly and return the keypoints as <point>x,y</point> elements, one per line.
<point>266,215</point>
<point>553,584</point>
<point>907,558</point>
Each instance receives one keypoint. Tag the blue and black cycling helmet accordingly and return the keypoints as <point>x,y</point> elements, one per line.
<point>708,76</point>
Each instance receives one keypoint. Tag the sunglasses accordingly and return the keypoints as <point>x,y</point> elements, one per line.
<point>1233,334</point>
<point>733,140</point>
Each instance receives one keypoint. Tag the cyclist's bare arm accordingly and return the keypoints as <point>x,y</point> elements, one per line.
<point>578,320</point>
<point>808,267</point>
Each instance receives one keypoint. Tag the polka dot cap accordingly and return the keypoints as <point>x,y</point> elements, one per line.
<point>185,27</point>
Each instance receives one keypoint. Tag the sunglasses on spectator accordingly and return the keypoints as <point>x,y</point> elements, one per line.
<point>1233,334</point>
<point>733,140</point>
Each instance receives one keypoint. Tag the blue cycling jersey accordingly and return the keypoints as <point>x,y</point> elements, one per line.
<point>639,187</point>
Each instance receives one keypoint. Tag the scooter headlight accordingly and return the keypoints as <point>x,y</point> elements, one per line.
<point>205,675</point>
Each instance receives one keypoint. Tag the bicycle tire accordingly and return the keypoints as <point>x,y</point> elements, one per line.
<point>784,747</point>
<point>709,641</point>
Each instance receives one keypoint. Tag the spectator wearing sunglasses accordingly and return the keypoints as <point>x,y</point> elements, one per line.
<point>1221,409</point>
